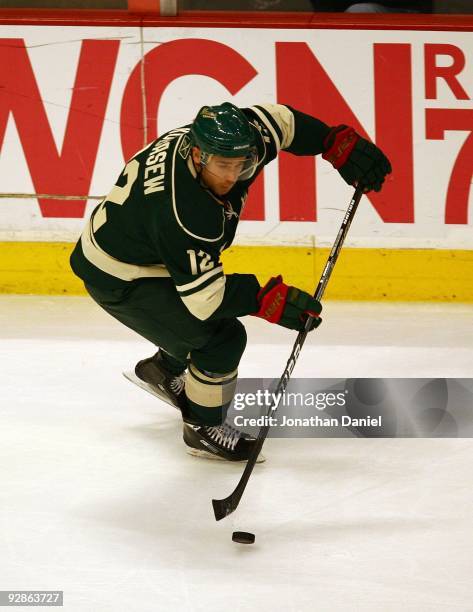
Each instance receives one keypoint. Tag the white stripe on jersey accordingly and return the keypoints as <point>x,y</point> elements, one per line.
<point>110,265</point>
<point>205,302</point>
<point>174,206</point>
<point>284,119</point>
<point>200,280</point>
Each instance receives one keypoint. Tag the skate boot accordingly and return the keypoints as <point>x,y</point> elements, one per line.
<point>222,442</point>
<point>154,372</point>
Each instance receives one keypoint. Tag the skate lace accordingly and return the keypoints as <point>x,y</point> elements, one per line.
<point>225,434</point>
<point>177,384</point>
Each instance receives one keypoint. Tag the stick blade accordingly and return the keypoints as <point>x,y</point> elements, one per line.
<point>223,507</point>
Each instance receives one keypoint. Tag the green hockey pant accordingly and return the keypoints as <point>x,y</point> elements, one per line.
<point>152,308</point>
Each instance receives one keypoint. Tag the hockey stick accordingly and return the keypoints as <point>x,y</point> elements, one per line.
<point>224,507</point>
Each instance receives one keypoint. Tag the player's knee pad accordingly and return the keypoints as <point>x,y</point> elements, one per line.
<point>209,394</point>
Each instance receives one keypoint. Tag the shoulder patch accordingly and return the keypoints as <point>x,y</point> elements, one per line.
<point>185,146</point>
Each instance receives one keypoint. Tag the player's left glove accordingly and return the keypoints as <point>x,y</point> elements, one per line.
<point>359,161</point>
<point>287,306</point>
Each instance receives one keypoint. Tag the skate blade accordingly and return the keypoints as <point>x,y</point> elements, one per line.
<point>195,452</point>
<point>132,377</point>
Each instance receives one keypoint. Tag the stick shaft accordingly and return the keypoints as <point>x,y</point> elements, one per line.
<point>224,507</point>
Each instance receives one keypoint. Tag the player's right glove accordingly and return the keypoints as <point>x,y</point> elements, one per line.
<point>287,306</point>
<point>359,161</point>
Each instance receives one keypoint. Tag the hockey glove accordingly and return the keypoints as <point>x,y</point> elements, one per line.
<point>287,306</point>
<point>358,160</point>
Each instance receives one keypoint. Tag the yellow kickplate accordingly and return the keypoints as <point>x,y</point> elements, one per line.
<point>360,274</point>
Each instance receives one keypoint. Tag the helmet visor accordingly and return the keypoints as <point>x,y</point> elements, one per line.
<point>232,169</point>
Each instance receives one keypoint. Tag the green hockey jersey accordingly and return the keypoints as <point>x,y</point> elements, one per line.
<point>159,220</point>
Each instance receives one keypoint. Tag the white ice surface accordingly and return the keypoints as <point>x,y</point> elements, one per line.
<point>99,499</point>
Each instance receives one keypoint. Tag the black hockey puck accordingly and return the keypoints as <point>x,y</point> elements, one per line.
<point>243,537</point>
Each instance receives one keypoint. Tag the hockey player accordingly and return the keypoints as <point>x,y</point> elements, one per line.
<point>150,253</point>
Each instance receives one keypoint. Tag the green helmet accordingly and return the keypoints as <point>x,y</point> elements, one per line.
<point>224,130</point>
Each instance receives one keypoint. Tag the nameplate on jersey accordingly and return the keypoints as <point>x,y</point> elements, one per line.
<point>155,163</point>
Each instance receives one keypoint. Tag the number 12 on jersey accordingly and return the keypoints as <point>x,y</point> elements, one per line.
<point>204,265</point>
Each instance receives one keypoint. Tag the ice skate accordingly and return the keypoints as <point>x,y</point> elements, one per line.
<point>169,387</point>
<point>222,442</point>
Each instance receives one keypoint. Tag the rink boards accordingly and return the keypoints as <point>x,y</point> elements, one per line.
<point>79,99</point>
<point>361,274</point>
